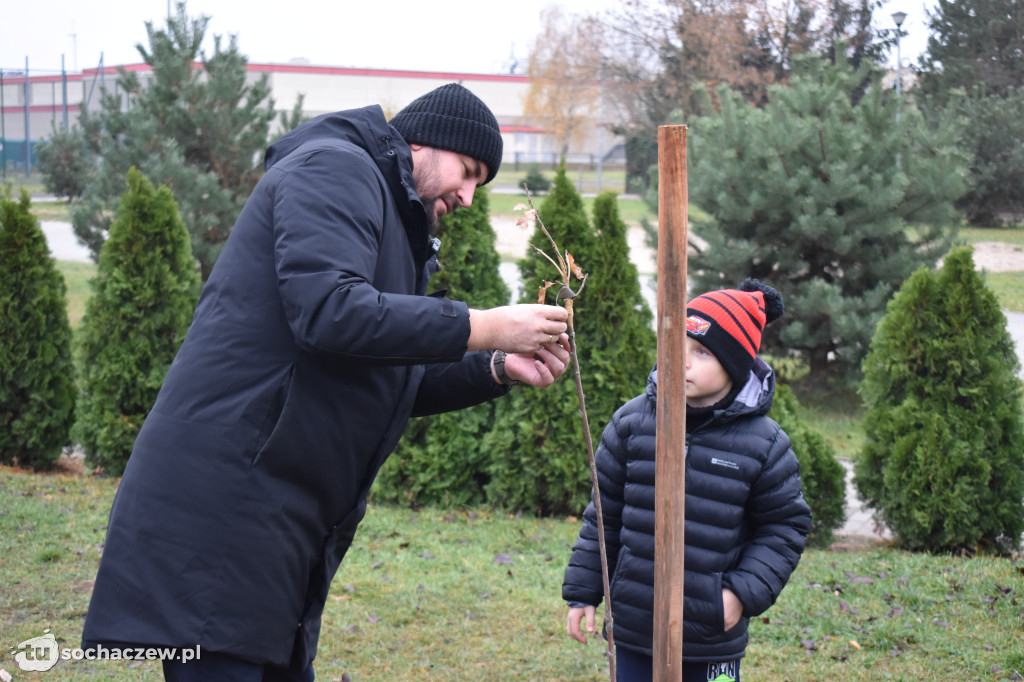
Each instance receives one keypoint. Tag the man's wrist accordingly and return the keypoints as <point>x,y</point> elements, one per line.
<point>498,365</point>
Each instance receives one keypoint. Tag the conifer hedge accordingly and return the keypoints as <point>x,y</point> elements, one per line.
<point>37,391</point>
<point>823,477</point>
<point>144,293</point>
<point>538,452</point>
<point>943,464</point>
<point>440,459</point>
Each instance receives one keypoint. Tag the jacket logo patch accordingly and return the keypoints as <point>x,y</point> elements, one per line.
<point>725,463</point>
<point>697,325</point>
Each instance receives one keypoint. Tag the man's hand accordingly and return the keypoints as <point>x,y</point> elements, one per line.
<point>524,328</point>
<point>572,623</point>
<point>540,369</point>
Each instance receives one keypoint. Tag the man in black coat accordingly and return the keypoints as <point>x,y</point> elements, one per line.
<point>312,345</point>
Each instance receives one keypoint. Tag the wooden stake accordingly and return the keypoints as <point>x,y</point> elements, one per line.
<point>670,453</point>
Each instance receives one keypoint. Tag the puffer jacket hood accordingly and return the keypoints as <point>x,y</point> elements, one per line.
<point>368,129</point>
<point>755,398</point>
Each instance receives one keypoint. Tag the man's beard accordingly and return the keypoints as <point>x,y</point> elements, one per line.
<point>433,222</point>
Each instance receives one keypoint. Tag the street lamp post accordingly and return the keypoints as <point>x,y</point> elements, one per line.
<point>899,18</point>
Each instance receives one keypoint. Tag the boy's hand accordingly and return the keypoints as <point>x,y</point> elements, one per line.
<point>572,625</point>
<point>733,609</point>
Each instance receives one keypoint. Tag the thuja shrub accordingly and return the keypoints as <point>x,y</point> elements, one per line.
<point>943,462</point>
<point>37,392</point>
<point>538,447</point>
<point>823,477</point>
<point>144,292</point>
<point>441,460</point>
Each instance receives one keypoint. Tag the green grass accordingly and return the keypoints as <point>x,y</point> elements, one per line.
<point>631,209</point>
<point>1008,288</point>
<point>1010,235</point>
<point>473,595</point>
<point>76,277</point>
<point>612,180</point>
<point>17,181</point>
<point>51,210</point>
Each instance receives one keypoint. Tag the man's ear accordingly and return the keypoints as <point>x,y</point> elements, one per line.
<point>415,147</point>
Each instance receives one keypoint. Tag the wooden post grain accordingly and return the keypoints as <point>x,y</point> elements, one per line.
<point>670,482</point>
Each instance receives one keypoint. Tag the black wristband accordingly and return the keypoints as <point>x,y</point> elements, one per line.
<point>498,361</point>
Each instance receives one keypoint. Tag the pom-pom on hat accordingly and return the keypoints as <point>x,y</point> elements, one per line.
<point>453,118</point>
<point>729,323</point>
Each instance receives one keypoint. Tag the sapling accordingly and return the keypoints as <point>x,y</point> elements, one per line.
<point>567,269</point>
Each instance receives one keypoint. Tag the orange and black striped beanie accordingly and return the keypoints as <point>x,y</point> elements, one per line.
<point>729,323</point>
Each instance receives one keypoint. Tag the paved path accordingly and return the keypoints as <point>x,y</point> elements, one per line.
<point>859,521</point>
<point>63,242</point>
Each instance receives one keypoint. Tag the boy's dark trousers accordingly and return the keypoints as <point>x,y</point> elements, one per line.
<point>634,667</point>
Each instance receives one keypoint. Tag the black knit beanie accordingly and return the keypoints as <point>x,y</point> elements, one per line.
<point>453,118</point>
<point>729,323</point>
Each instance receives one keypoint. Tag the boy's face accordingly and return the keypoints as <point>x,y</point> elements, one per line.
<point>706,379</point>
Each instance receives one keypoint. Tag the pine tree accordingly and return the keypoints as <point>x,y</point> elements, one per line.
<point>64,163</point>
<point>817,195</point>
<point>537,446</point>
<point>944,459</point>
<point>974,49</point>
<point>144,293</point>
<point>973,42</point>
<point>440,459</point>
<point>199,131</point>
<point>37,392</point>
<point>993,132</point>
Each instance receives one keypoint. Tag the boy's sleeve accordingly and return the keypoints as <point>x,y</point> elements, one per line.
<point>780,521</point>
<point>584,583</point>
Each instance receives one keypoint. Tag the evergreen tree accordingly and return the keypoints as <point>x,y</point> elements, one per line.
<point>973,42</point>
<point>622,318</point>
<point>976,47</point>
<point>64,163</point>
<point>944,459</point>
<point>537,447</point>
<point>37,392</point>
<point>993,140</point>
<point>566,220</point>
<point>818,195</point>
<point>440,459</point>
<point>200,131</point>
<point>144,293</point>
<point>823,477</point>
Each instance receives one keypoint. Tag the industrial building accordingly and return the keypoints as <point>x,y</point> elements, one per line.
<point>33,105</point>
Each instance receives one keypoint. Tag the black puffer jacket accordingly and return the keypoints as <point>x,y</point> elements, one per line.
<point>746,521</point>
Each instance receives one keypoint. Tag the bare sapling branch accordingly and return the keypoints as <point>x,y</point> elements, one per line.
<point>567,268</point>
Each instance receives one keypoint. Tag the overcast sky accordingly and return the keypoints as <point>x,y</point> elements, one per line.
<point>480,36</point>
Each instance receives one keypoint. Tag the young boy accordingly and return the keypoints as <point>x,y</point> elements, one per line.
<point>746,519</point>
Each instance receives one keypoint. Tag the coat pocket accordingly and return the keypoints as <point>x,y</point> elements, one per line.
<point>272,417</point>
